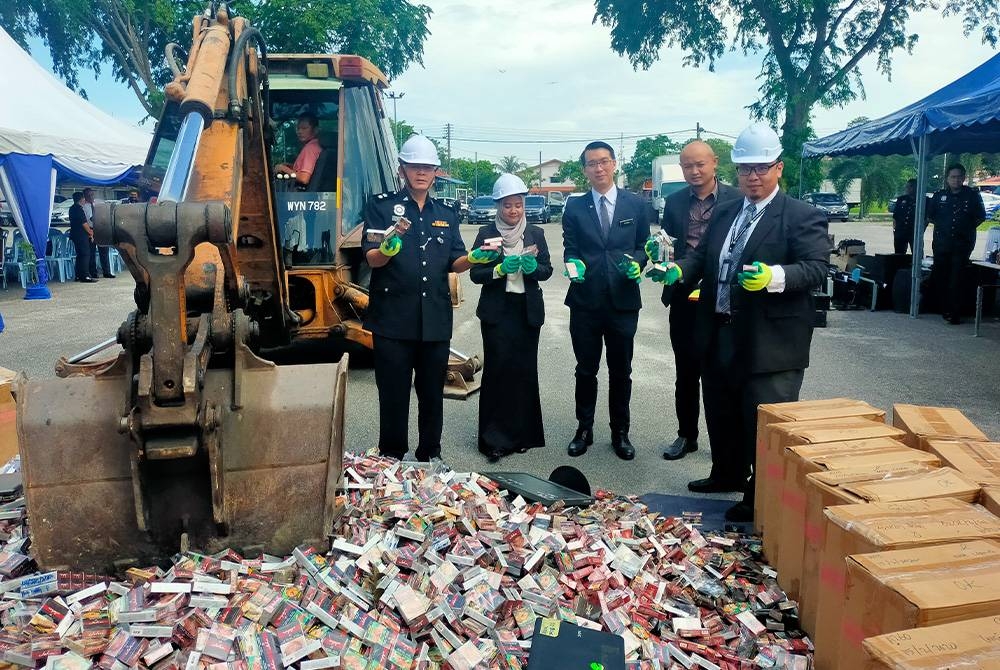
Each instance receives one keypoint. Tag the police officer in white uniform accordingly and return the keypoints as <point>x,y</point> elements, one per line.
<point>409,310</point>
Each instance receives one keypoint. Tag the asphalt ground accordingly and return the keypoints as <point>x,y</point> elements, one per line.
<point>879,357</point>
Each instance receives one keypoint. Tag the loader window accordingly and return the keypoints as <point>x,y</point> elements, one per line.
<point>162,147</point>
<point>307,214</point>
<point>369,161</point>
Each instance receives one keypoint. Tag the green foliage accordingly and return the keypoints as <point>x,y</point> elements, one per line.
<point>882,177</point>
<point>478,175</point>
<point>510,164</point>
<point>571,170</point>
<point>811,48</point>
<point>30,260</point>
<point>726,171</point>
<point>401,131</point>
<point>130,35</point>
<point>640,167</point>
<point>531,176</point>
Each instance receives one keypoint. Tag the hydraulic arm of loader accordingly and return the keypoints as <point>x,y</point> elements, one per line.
<point>188,431</point>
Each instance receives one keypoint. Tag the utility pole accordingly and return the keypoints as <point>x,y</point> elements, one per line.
<point>475,166</point>
<point>539,169</point>
<point>447,133</point>
<point>621,157</point>
<point>395,119</point>
<point>698,129</point>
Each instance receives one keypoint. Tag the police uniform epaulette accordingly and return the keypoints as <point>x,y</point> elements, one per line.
<point>381,196</point>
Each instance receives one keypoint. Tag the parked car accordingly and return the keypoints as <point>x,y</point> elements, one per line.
<point>829,203</point>
<point>556,203</point>
<point>536,209</point>
<point>991,203</point>
<point>463,209</point>
<point>60,212</point>
<point>482,210</point>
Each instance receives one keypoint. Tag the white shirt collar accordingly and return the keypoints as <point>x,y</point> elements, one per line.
<point>611,195</point>
<point>763,203</point>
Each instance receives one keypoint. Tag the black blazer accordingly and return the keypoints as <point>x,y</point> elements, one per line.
<point>491,299</point>
<point>582,239</point>
<point>676,221</point>
<point>773,330</point>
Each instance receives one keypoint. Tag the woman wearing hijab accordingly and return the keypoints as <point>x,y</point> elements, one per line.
<point>511,313</point>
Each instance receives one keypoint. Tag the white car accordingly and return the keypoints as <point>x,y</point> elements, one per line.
<point>60,212</point>
<point>991,203</point>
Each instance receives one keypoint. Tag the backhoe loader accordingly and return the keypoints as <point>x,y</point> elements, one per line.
<point>199,430</point>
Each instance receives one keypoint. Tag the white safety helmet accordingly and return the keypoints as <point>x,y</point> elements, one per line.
<point>419,150</point>
<point>508,184</point>
<point>758,143</point>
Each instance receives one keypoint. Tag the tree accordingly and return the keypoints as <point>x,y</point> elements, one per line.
<point>510,164</point>
<point>478,175</point>
<point>130,35</point>
<point>811,49</point>
<point>401,130</point>
<point>726,172</point>
<point>571,170</point>
<point>640,167</point>
<point>882,177</point>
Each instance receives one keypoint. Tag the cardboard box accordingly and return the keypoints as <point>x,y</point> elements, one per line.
<point>990,499</point>
<point>912,588</point>
<point>969,645</point>
<point>880,454</point>
<point>780,436</point>
<point>934,423</point>
<point>825,489</point>
<point>803,410</point>
<point>867,528</point>
<point>979,460</point>
<point>8,423</point>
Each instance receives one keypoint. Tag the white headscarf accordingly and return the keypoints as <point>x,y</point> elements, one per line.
<point>513,245</point>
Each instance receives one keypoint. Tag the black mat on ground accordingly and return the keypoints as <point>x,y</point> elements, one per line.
<point>712,510</point>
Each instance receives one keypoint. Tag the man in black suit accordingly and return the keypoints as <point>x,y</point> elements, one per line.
<point>686,214</point>
<point>761,259</point>
<point>603,237</point>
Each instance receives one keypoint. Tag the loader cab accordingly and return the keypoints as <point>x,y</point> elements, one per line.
<point>320,221</point>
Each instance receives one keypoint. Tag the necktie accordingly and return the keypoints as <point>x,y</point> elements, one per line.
<point>739,242</point>
<point>605,218</point>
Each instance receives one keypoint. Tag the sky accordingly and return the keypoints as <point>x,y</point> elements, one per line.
<point>521,82</point>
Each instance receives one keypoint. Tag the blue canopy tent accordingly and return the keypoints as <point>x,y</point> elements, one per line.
<point>963,116</point>
<point>46,131</point>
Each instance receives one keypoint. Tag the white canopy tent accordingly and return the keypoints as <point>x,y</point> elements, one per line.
<point>47,130</point>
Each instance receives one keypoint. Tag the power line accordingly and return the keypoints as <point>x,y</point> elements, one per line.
<point>620,137</point>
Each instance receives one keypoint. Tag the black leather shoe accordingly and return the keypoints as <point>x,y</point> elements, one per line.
<point>109,276</point>
<point>709,485</point>
<point>584,438</point>
<point>679,448</point>
<point>87,280</point>
<point>623,448</point>
<point>741,512</point>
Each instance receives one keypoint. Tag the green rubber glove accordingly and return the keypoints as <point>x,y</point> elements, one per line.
<point>755,281</point>
<point>481,256</point>
<point>652,248</point>
<point>672,274</point>
<point>633,271</point>
<point>528,264</point>
<point>391,246</point>
<point>581,270</point>
<point>510,265</point>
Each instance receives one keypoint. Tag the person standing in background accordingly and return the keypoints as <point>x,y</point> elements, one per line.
<point>105,252</point>
<point>82,236</point>
<point>903,216</point>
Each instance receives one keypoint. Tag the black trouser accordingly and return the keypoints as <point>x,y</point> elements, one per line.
<point>591,331</point>
<point>947,278</point>
<point>105,253</point>
<point>901,239</point>
<point>81,243</point>
<point>398,365</point>
<point>731,400</point>
<point>92,264</point>
<point>687,364</point>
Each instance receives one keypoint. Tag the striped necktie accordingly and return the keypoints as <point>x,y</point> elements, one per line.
<point>739,242</point>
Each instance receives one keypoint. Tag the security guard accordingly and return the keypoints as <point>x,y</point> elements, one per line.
<point>956,212</point>
<point>409,309</point>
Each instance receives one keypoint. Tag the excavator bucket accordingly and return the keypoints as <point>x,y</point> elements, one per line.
<point>89,492</point>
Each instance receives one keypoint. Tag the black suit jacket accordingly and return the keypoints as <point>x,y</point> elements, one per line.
<point>491,299</point>
<point>604,285</point>
<point>773,330</point>
<point>676,221</point>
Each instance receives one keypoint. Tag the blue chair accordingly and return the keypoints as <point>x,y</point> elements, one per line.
<point>17,261</point>
<point>62,260</point>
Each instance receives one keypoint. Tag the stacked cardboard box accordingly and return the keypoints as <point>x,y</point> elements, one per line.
<point>779,437</point>
<point>911,588</point>
<point>965,645</point>
<point>8,427</point>
<point>979,460</point>
<point>803,410</point>
<point>873,527</point>
<point>934,423</point>
<point>880,455</point>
